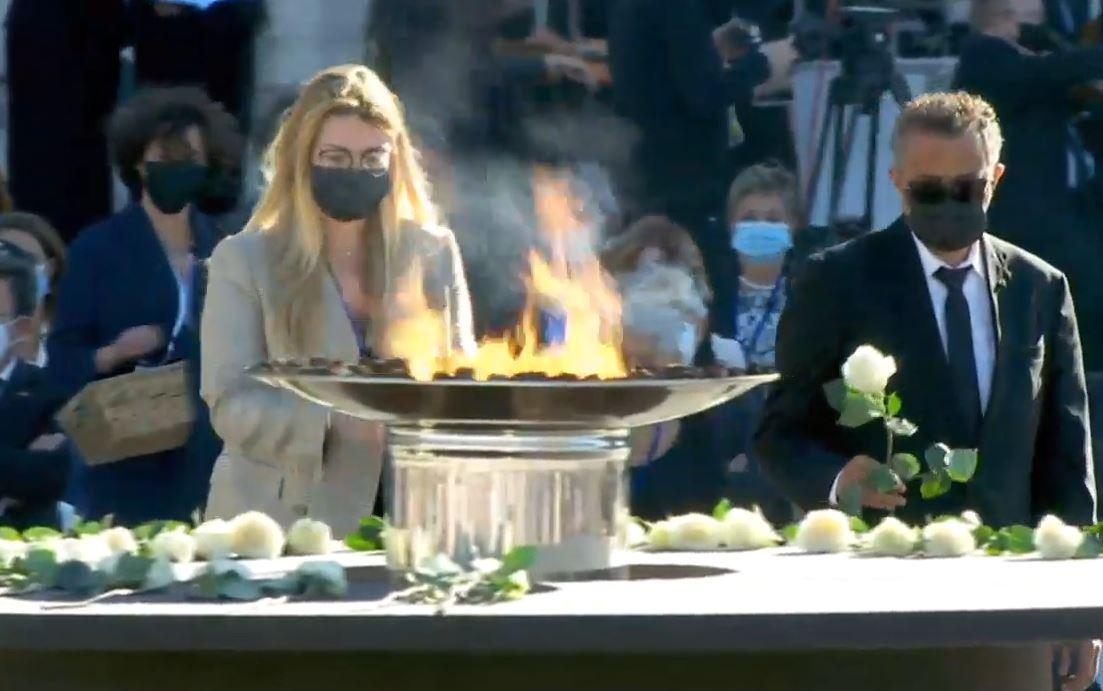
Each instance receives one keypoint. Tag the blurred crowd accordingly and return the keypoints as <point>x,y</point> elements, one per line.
<point>673,119</point>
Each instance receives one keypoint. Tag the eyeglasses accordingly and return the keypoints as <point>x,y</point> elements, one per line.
<point>935,191</point>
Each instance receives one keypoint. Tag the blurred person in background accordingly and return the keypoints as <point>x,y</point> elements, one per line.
<point>63,73</point>
<point>685,465</point>
<point>34,235</point>
<point>208,45</point>
<point>668,80</point>
<point>1047,164</point>
<point>134,291</point>
<point>34,463</point>
<point>316,273</point>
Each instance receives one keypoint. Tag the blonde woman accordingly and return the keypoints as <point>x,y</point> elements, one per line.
<point>345,213</point>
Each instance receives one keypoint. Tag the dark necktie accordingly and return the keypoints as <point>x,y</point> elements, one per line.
<point>959,348</point>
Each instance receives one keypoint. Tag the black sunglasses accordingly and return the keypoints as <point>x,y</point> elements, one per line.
<point>934,191</point>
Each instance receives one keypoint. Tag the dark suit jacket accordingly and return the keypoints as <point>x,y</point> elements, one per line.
<point>36,479</point>
<point>118,278</point>
<point>1031,96</point>
<point>1035,453</point>
<point>669,81</point>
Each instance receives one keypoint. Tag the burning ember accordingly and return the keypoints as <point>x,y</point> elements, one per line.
<point>567,288</point>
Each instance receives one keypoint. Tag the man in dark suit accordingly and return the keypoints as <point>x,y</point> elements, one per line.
<point>34,465</point>
<point>984,335</point>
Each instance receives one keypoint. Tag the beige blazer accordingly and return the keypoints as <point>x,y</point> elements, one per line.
<point>282,454</point>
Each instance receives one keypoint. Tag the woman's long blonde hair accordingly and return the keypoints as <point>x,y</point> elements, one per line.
<point>287,211</point>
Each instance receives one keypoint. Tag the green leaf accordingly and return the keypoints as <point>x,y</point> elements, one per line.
<point>905,465</point>
<point>241,590</point>
<point>159,576</point>
<point>860,408</point>
<point>41,566</point>
<point>835,391</point>
<point>901,427</point>
<point>858,525</point>
<point>12,534</point>
<point>962,464</point>
<point>894,405</point>
<point>148,531</point>
<point>359,544</point>
<point>935,484</point>
<point>1090,548</point>
<point>79,578</point>
<point>850,500</point>
<point>789,532</point>
<point>983,535</point>
<point>369,536</point>
<point>937,457</point>
<point>722,509</point>
<point>322,579</point>
<point>517,559</point>
<point>1018,539</point>
<point>883,479</point>
<point>130,571</point>
<point>89,528</point>
<point>38,534</point>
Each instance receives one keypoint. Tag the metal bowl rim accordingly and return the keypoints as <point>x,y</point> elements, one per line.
<point>641,382</point>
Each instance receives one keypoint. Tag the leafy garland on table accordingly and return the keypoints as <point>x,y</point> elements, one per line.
<point>95,560</point>
<point>830,530</point>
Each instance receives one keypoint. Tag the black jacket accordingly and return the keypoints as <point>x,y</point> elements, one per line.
<point>1031,96</point>
<point>1035,453</point>
<point>35,479</point>
<point>669,81</point>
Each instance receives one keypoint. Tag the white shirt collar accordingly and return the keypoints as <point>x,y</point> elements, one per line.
<point>932,263</point>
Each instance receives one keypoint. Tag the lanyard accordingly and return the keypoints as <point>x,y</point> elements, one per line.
<point>756,334</point>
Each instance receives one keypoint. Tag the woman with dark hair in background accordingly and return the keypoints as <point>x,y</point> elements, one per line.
<point>34,235</point>
<point>135,288</point>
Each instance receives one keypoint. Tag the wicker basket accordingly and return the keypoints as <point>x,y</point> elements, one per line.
<point>144,412</point>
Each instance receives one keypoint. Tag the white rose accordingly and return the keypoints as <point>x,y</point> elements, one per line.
<point>695,532</point>
<point>213,540</point>
<point>1055,540</point>
<point>660,536</point>
<point>256,536</point>
<point>486,565</point>
<point>10,550</point>
<point>892,538</point>
<point>174,545</point>
<point>951,538</point>
<point>868,370</point>
<point>972,518</point>
<point>120,540</point>
<point>825,530</point>
<point>308,536</point>
<point>90,549</point>
<point>745,529</point>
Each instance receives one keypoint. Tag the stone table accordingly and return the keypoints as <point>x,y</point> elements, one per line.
<point>773,619</point>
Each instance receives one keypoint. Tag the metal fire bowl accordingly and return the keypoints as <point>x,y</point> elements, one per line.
<point>608,404</point>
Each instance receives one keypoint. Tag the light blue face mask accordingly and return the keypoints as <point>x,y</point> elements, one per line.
<point>762,241</point>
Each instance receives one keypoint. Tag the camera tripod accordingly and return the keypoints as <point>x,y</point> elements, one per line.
<point>855,93</point>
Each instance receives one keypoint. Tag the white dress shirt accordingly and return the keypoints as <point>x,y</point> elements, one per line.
<point>5,375</point>
<point>979,299</point>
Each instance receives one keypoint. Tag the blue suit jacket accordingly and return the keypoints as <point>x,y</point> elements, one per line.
<point>119,277</point>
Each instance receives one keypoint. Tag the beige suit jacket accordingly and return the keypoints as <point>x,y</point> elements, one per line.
<point>282,455</point>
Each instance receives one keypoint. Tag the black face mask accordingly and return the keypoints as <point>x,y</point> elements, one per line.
<point>173,185</point>
<point>345,194</point>
<point>949,225</point>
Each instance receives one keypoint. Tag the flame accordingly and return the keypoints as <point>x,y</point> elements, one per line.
<point>569,285</point>
<point>416,332</point>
